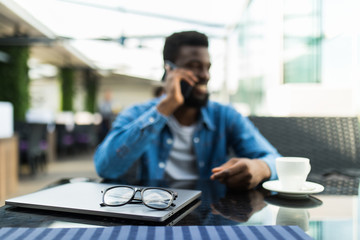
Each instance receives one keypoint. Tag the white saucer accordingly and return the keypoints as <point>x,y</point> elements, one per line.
<point>309,188</point>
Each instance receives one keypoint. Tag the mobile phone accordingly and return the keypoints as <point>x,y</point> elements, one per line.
<point>186,88</point>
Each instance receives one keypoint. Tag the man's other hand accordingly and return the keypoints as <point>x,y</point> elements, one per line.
<point>241,173</point>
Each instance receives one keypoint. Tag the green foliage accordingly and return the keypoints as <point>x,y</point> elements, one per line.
<point>67,88</point>
<point>14,80</point>
<point>91,86</point>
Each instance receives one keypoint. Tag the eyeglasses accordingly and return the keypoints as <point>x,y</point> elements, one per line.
<point>152,197</point>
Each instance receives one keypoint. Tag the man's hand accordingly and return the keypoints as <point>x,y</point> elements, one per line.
<point>174,97</point>
<point>241,173</point>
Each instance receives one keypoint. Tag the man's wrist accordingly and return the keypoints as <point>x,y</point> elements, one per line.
<point>167,106</point>
<point>265,169</point>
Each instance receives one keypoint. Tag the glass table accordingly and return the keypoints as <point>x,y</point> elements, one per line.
<point>332,214</point>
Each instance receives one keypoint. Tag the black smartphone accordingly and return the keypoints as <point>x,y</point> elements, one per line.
<point>186,88</point>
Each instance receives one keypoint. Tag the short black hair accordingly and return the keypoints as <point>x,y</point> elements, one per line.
<point>174,42</point>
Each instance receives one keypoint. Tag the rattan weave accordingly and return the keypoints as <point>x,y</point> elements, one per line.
<point>331,143</point>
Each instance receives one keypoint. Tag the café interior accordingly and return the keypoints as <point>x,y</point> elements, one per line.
<point>69,67</point>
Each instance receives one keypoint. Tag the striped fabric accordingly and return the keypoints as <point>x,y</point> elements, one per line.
<point>158,233</point>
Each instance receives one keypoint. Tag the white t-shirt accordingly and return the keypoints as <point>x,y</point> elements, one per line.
<point>181,163</point>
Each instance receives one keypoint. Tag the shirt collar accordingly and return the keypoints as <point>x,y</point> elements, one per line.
<point>204,111</point>
<point>205,118</point>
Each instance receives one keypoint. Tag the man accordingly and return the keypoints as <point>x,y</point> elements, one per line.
<point>106,112</point>
<point>182,135</point>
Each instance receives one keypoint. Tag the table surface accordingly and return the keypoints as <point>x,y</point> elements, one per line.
<point>333,214</point>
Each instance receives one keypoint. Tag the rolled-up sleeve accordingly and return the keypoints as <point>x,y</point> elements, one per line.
<point>249,142</point>
<point>129,138</point>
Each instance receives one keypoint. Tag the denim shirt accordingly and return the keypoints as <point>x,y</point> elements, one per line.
<point>141,133</point>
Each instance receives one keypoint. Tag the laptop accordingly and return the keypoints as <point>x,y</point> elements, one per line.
<point>85,198</point>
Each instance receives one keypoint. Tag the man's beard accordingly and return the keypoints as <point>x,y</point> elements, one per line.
<point>192,98</point>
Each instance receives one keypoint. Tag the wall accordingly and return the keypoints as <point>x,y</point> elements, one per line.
<point>126,90</point>
<point>45,93</point>
<point>311,100</point>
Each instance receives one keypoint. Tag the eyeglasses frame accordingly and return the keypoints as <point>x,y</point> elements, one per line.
<point>141,190</point>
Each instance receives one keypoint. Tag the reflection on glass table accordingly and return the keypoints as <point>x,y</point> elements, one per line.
<point>293,216</point>
<point>294,211</point>
<point>329,215</point>
<point>239,207</point>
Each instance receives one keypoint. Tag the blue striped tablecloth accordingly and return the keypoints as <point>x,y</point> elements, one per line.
<point>157,233</point>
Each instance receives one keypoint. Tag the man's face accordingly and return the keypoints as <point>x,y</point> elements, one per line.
<point>197,60</point>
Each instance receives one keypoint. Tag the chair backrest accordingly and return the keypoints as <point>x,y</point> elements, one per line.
<point>37,136</point>
<point>33,134</point>
<point>331,143</point>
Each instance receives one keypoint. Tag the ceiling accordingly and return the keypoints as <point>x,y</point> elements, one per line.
<point>121,36</point>
<point>10,23</point>
<point>16,23</point>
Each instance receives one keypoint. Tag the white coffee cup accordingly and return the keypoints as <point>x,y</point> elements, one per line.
<point>292,172</point>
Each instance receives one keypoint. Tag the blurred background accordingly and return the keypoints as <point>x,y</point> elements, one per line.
<point>67,67</point>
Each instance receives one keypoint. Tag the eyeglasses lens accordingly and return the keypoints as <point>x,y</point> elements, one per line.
<point>157,198</point>
<point>118,195</point>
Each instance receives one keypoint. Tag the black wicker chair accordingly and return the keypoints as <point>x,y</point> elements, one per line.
<point>331,143</point>
<point>33,145</point>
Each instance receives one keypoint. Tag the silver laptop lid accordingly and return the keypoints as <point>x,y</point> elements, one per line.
<point>85,198</point>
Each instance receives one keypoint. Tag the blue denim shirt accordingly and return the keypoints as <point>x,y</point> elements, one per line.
<point>141,132</point>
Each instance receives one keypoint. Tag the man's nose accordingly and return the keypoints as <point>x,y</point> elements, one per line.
<point>204,74</point>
